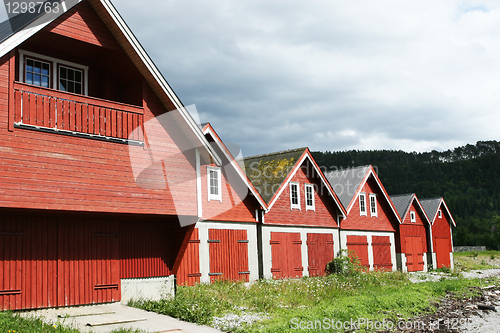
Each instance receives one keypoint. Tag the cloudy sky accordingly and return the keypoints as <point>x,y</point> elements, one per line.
<point>330,75</point>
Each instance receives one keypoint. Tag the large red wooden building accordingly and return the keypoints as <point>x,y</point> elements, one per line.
<point>298,234</point>
<point>372,220</point>
<point>79,105</point>
<point>414,234</point>
<point>442,222</point>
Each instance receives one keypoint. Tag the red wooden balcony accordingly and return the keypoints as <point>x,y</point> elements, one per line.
<point>71,114</point>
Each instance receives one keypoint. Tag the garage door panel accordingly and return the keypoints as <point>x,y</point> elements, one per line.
<point>359,245</point>
<point>382,259</point>
<point>414,253</point>
<point>442,252</point>
<point>286,255</point>
<point>320,252</point>
<point>228,255</point>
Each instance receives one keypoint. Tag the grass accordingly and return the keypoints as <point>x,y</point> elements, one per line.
<point>11,322</point>
<point>472,260</point>
<point>375,296</point>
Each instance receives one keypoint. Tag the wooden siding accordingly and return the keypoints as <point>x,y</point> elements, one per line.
<point>441,233</point>
<point>325,213</point>
<point>50,171</point>
<point>228,255</point>
<point>359,244</point>
<point>385,219</point>
<point>320,252</point>
<point>82,23</point>
<point>189,269</point>
<point>286,255</point>
<point>57,261</point>
<point>381,246</point>
<point>236,205</point>
<point>145,247</point>
<point>412,238</point>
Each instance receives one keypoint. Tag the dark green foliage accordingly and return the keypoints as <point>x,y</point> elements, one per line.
<point>467,177</point>
<point>346,262</point>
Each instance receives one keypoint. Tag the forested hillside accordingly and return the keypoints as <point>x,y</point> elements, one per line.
<point>467,177</point>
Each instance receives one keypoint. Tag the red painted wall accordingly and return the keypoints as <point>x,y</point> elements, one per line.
<point>189,269</point>
<point>325,214</point>
<point>441,235</point>
<point>385,220</point>
<point>49,171</point>
<point>417,229</point>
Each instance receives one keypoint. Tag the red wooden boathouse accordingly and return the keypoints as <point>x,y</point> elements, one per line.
<point>413,241</point>
<point>298,234</point>
<point>79,108</point>
<point>442,237</point>
<point>372,220</point>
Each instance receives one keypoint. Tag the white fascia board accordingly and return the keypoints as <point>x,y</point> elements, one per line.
<point>146,60</point>
<point>447,210</point>
<point>235,165</point>
<point>19,37</point>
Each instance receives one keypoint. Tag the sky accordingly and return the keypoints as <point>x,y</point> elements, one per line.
<point>330,75</point>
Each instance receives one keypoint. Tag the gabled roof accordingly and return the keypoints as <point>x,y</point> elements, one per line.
<point>134,50</point>
<point>403,202</point>
<point>431,207</point>
<point>347,183</point>
<point>271,173</point>
<point>208,129</point>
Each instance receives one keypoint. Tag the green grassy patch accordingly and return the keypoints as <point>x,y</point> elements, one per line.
<point>472,260</point>
<point>11,322</point>
<point>374,296</point>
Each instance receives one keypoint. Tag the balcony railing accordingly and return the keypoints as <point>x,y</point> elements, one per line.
<point>71,114</point>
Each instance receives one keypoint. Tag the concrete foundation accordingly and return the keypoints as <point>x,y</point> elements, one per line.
<point>147,288</point>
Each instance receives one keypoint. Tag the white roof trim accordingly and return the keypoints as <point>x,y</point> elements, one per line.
<point>290,176</point>
<point>370,172</point>
<point>235,165</point>
<point>414,198</point>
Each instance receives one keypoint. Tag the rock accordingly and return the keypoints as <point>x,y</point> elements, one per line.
<point>486,307</point>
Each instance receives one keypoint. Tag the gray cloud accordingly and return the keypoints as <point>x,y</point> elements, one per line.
<point>330,75</point>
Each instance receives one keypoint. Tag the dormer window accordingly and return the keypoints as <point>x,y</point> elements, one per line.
<point>309,189</point>
<point>48,72</point>
<point>413,217</point>
<point>294,196</point>
<point>362,204</point>
<point>373,205</point>
<point>214,184</point>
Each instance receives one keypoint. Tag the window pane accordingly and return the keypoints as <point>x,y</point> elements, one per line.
<point>78,76</point>
<point>78,88</point>
<point>29,65</point>
<point>62,73</point>
<point>37,79</point>
<point>71,74</point>
<point>71,86</point>
<point>29,78</point>
<point>45,81</point>
<point>45,69</point>
<point>37,68</point>
<point>62,85</point>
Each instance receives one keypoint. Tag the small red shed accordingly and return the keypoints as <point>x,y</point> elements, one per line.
<point>371,223</point>
<point>413,241</point>
<point>442,240</point>
<point>299,230</point>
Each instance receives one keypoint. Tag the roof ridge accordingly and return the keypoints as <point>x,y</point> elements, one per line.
<point>401,195</point>
<point>276,153</point>
<point>431,198</point>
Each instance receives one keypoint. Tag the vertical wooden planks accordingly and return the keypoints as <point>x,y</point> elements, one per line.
<point>189,269</point>
<point>18,106</point>
<point>320,252</point>
<point>359,244</point>
<point>381,246</point>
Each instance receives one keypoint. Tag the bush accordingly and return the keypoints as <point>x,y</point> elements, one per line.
<point>346,263</point>
<point>474,253</point>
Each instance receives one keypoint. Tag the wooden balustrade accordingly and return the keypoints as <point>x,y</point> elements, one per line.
<point>71,113</point>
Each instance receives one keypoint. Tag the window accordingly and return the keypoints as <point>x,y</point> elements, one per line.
<point>373,204</point>
<point>48,72</point>
<point>214,184</point>
<point>70,80</point>
<point>294,196</point>
<point>309,189</point>
<point>439,213</point>
<point>413,218</point>
<point>362,204</point>
<point>37,73</point>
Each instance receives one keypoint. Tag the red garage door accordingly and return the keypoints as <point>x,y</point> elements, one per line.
<point>320,252</point>
<point>442,252</point>
<point>414,253</point>
<point>286,255</point>
<point>189,270</point>
<point>381,246</point>
<point>359,245</point>
<point>55,261</point>
<point>228,255</point>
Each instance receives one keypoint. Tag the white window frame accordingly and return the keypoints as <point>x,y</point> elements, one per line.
<point>373,208</point>
<point>361,212</point>
<point>297,205</point>
<point>413,217</point>
<point>211,196</point>
<point>440,214</point>
<point>311,187</point>
<point>55,64</point>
